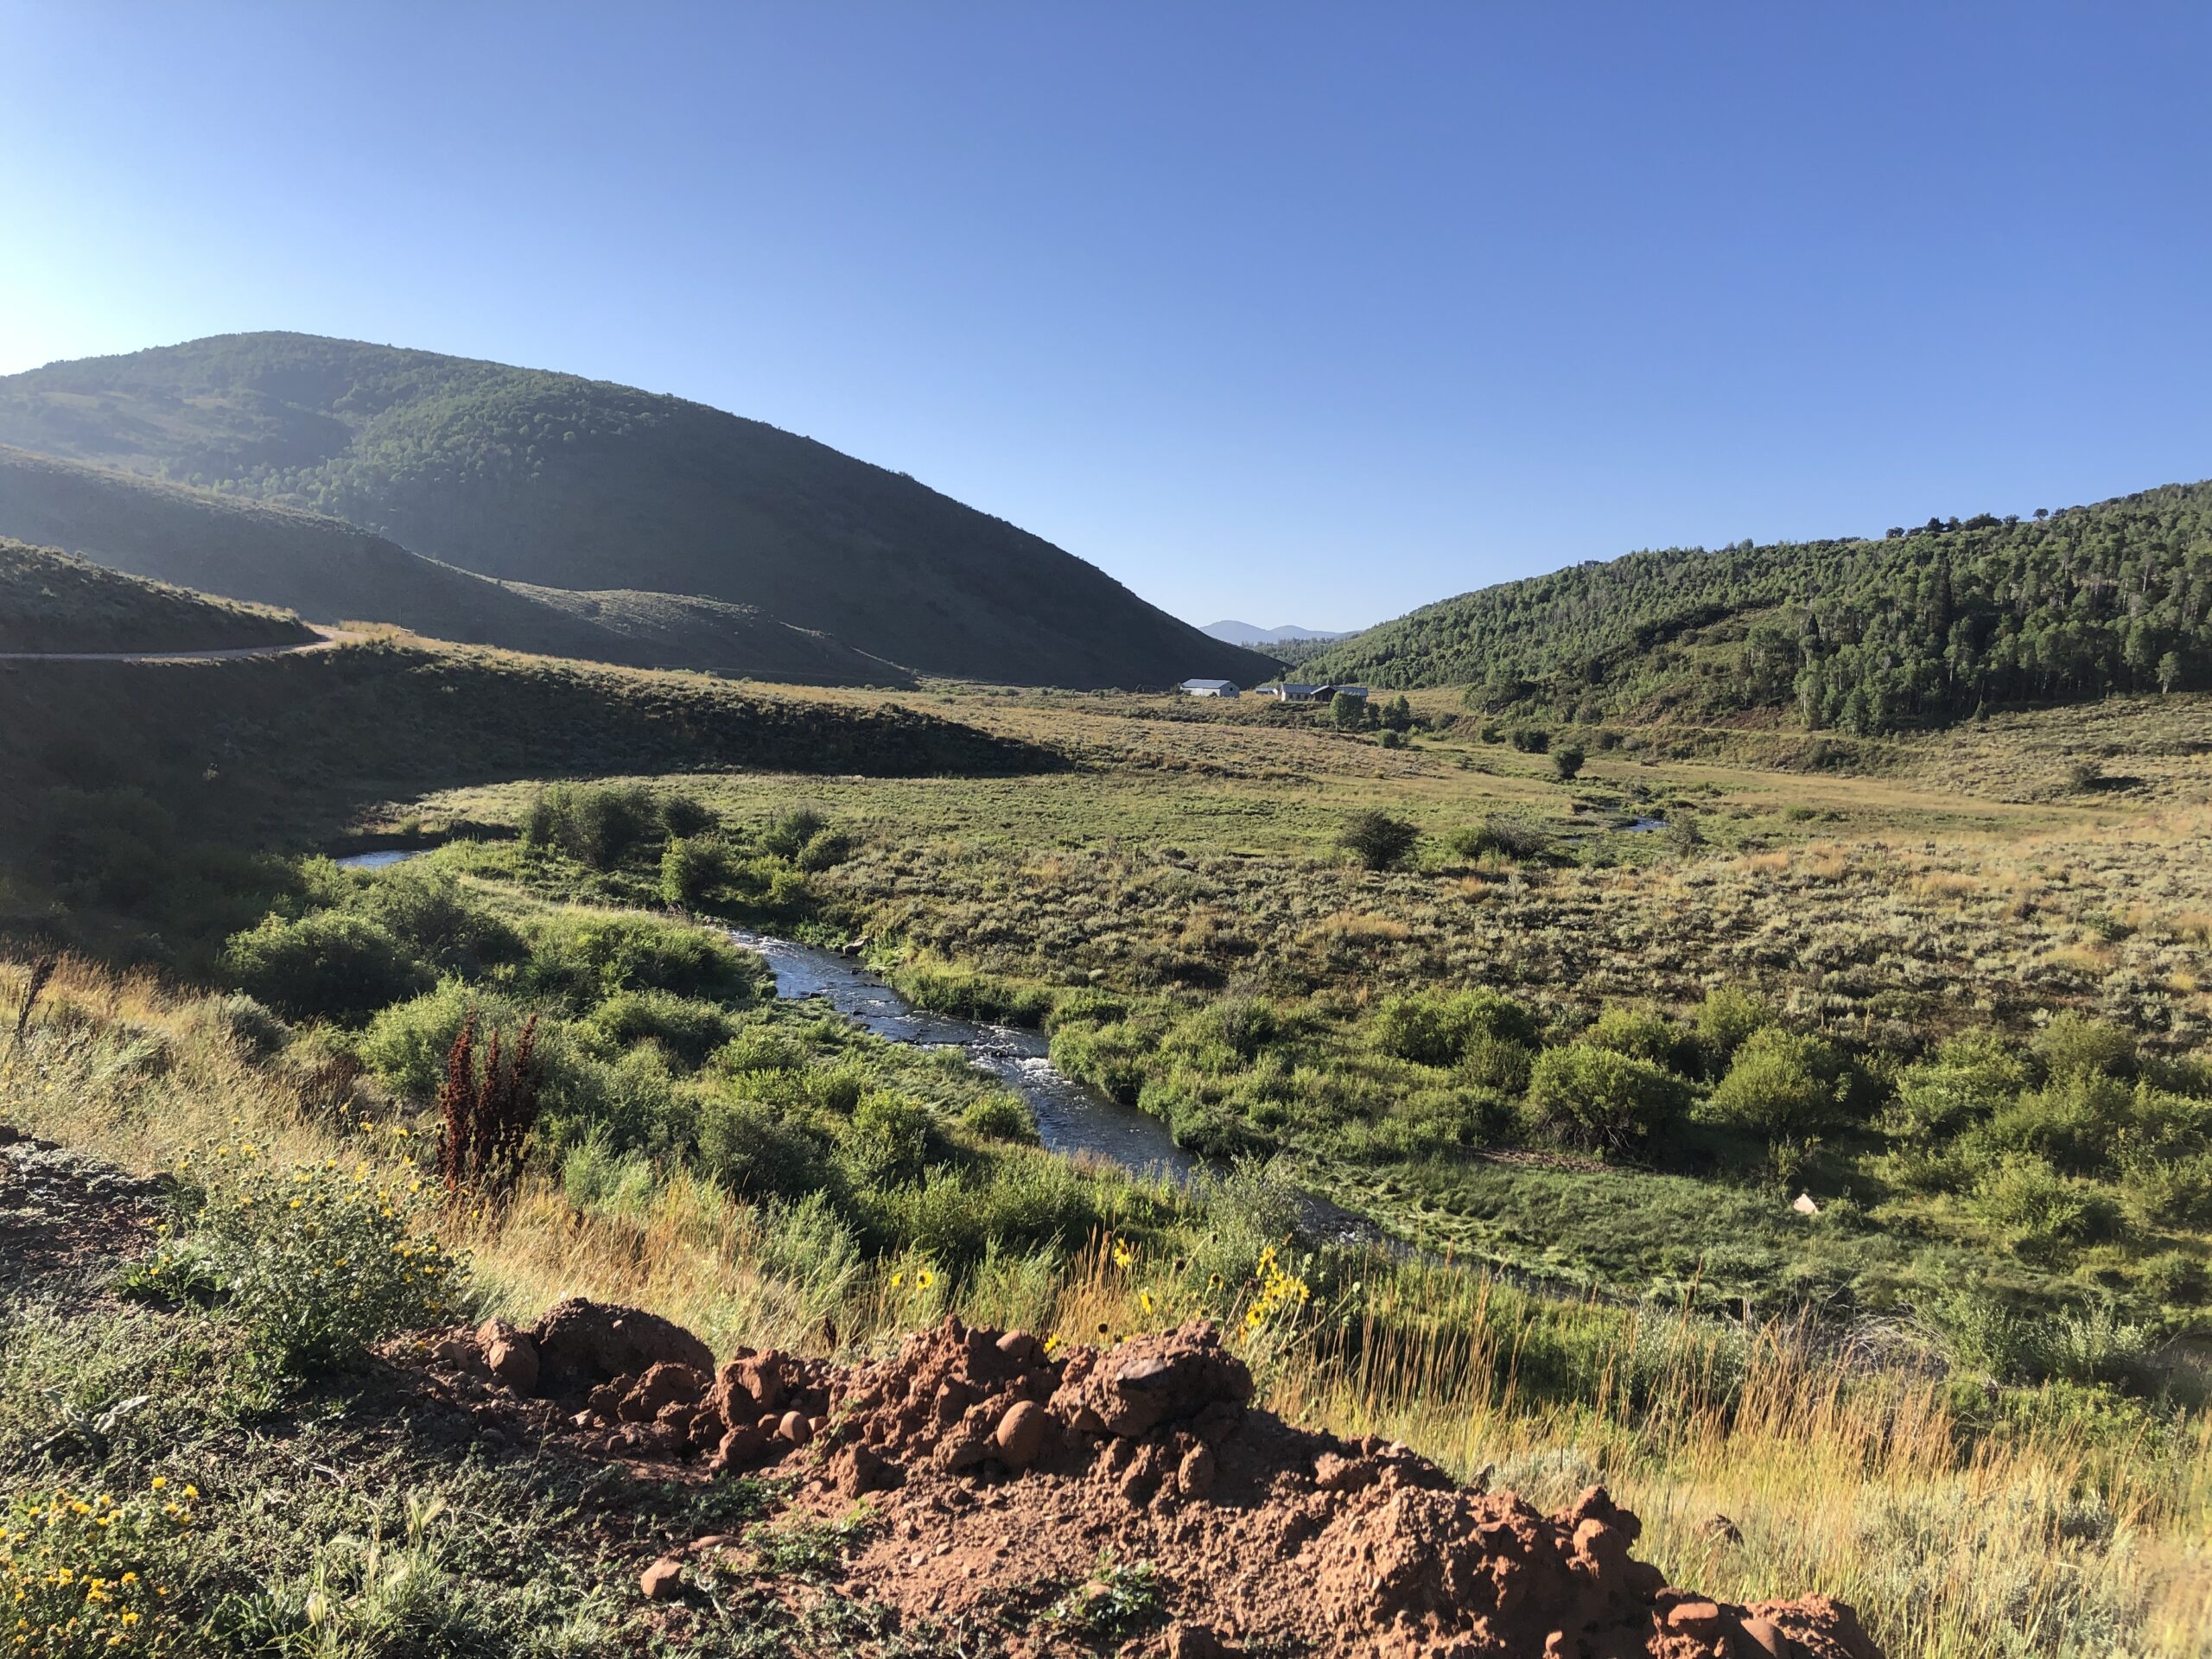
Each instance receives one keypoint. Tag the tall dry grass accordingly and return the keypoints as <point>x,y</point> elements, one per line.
<point>1831,1478</point>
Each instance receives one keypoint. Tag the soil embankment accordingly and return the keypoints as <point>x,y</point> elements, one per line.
<point>995,1475</point>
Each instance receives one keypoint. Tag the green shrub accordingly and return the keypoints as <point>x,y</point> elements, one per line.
<point>751,1150</point>
<point>315,1264</point>
<point>594,1176</point>
<point>685,818</point>
<point>1644,1033</point>
<point>115,846</point>
<point>1242,1025</point>
<point>2180,1278</point>
<point>1970,1079</point>
<point>967,995</point>
<point>2095,1344</point>
<point>1532,740</point>
<point>890,1141</point>
<point>787,836</point>
<point>1782,1085</point>
<point>406,1043</point>
<point>806,1242</point>
<point>2074,1045</point>
<point>1086,1006</point>
<point>824,850</point>
<point>1594,1097</point>
<point>687,1029</point>
<point>1728,1015</point>
<point>1567,764</point>
<point>1419,1028</point>
<point>1000,1117</point>
<point>328,965</point>
<point>760,1048</point>
<point>439,921</point>
<point>1020,1201</point>
<point>2042,1212</point>
<point>596,824</point>
<point>1378,841</point>
<point>2177,1192</point>
<point>692,871</point>
<point>589,956</point>
<point>1435,1030</point>
<point>2072,1122</point>
<point>1497,1062</point>
<point>1113,1057</point>
<point>1507,837</point>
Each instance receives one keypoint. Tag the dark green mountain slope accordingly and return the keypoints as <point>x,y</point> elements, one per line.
<point>579,484</point>
<point>1867,636</point>
<point>50,602</point>
<point>331,571</point>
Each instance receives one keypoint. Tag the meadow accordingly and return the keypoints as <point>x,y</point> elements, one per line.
<point>1580,1036</point>
<point>1971,1017</point>
<point>287,1501</point>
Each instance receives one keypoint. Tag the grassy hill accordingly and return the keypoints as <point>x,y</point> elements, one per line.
<point>1917,628</point>
<point>324,568</point>
<point>138,800</point>
<point>549,478</point>
<point>52,602</point>
<point>305,736</point>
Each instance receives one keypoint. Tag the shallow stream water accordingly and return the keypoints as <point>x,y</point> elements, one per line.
<point>1073,1119</point>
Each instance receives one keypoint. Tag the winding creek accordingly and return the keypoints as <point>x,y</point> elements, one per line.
<point>1073,1119</point>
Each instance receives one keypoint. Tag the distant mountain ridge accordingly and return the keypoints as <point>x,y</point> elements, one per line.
<point>331,571</point>
<point>1862,635</point>
<point>551,479</point>
<point>1249,633</point>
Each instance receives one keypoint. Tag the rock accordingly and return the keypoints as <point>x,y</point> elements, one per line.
<point>1135,1388</point>
<point>1020,1350</point>
<point>513,1361</point>
<point>458,1353</point>
<point>581,1343</point>
<point>962,1451</point>
<point>1766,1635</point>
<point>1336,1473</point>
<point>858,1471</point>
<point>1194,1642</point>
<point>740,1448</point>
<point>663,1581</point>
<point>1020,1436</point>
<point>795,1428</point>
<point>1700,1619</point>
<point>605,1401</point>
<point>748,1385</point>
<point>1194,1476</point>
<point>1821,1625</point>
<point>667,1384</point>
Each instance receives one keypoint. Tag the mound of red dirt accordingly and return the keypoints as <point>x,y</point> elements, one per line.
<point>990,1468</point>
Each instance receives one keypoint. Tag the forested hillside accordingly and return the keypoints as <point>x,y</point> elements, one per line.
<point>579,484</point>
<point>326,569</point>
<point>50,602</point>
<point>1920,628</point>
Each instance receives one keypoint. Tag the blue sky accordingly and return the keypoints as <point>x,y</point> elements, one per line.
<point>1293,314</point>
